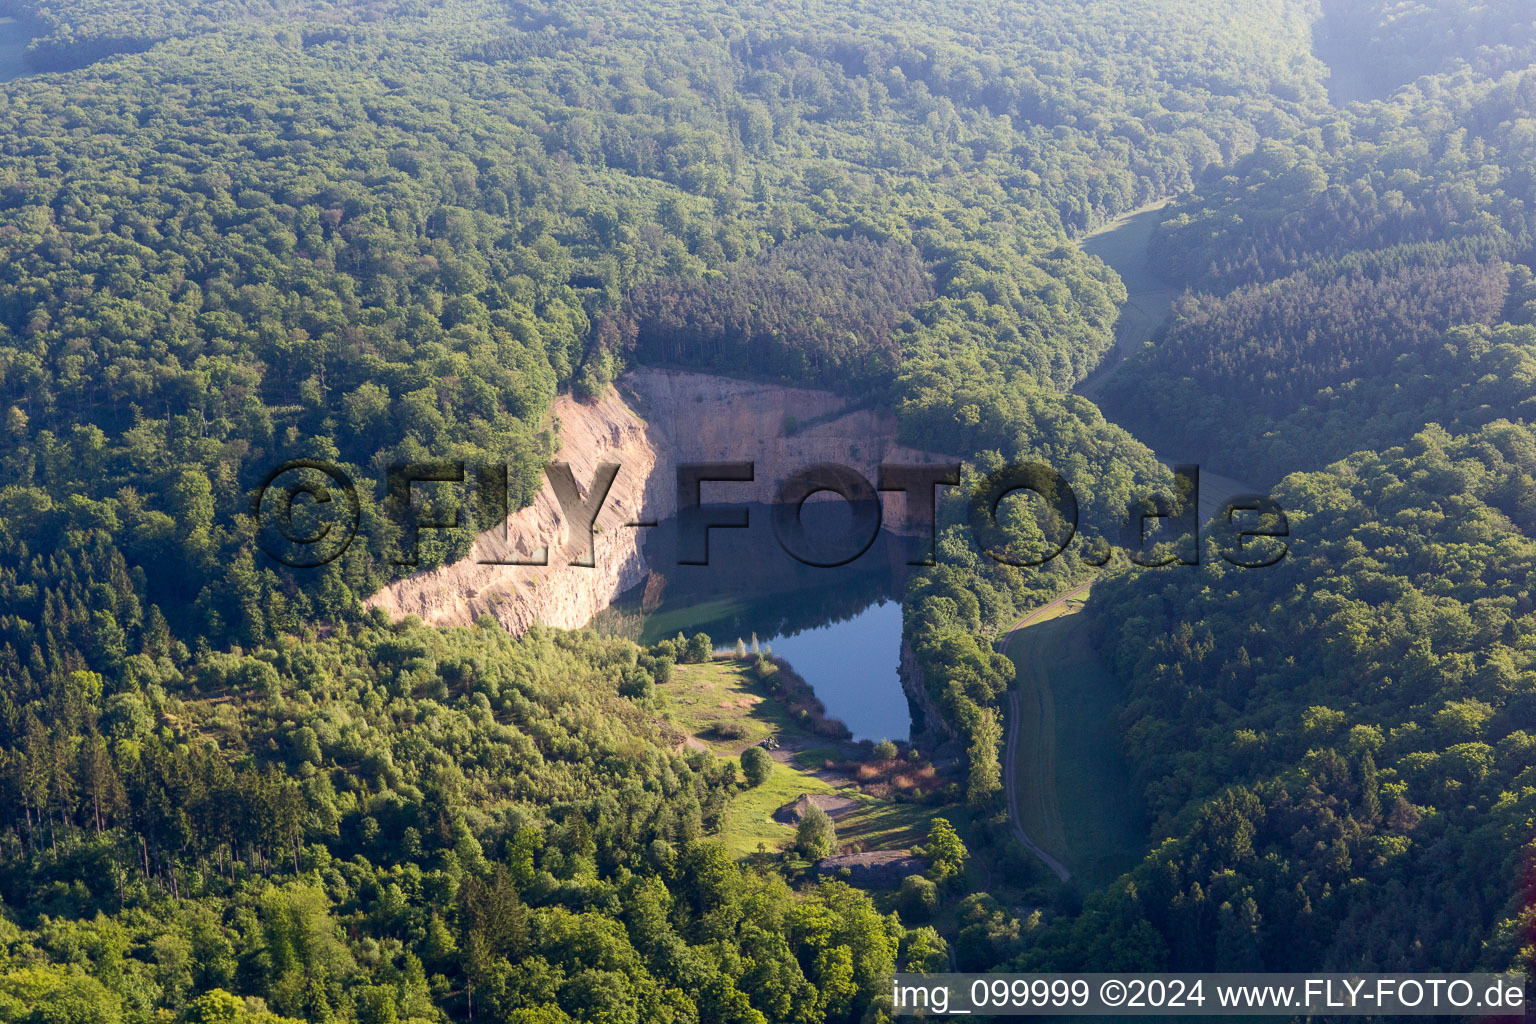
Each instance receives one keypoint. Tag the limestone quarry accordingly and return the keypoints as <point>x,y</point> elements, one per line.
<point>652,421</point>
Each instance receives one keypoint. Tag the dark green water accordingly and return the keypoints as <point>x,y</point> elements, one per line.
<point>840,628</point>
<point>14,38</point>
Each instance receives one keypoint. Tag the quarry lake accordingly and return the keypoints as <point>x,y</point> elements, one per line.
<point>839,628</point>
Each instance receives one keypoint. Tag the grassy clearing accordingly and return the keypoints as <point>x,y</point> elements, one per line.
<point>1070,606</point>
<point>1039,807</point>
<point>874,825</point>
<point>14,38</point>
<point>1075,795</point>
<point>1105,829</point>
<point>705,701</point>
<point>815,758</point>
<point>749,818</point>
<point>888,825</point>
<point>702,700</point>
<point>712,700</point>
<point>1122,244</point>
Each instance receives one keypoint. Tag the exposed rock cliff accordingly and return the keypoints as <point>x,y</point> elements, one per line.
<point>929,727</point>
<point>559,594</point>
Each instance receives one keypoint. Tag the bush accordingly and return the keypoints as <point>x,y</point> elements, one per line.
<point>726,731</point>
<point>885,750</point>
<point>925,951</point>
<point>126,717</point>
<point>815,837</point>
<point>919,898</point>
<point>636,684</point>
<point>700,649</point>
<point>756,765</point>
<point>945,850</point>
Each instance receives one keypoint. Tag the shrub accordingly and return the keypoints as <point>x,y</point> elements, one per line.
<point>756,765</point>
<point>919,897</point>
<point>946,852</point>
<point>726,731</point>
<point>700,649</point>
<point>815,837</point>
<point>636,683</point>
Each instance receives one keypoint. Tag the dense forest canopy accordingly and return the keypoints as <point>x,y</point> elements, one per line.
<point>355,268</point>
<point>1337,747</point>
<point>813,308</point>
<point>1350,784</point>
<point>1338,264</point>
<point>240,233</point>
<point>1391,43</point>
<point>235,233</point>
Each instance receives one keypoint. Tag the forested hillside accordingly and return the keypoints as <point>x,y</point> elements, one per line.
<point>357,268</point>
<point>1339,745</point>
<point>812,309</point>
<point>1393,42</point>
<point>1334,274</point>
<point>240,233</point>
<point>461,805</point>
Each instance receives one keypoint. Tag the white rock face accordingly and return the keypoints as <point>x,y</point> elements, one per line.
<point>654,420</point>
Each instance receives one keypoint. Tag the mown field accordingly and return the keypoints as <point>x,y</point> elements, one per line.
<point>1075,795</point>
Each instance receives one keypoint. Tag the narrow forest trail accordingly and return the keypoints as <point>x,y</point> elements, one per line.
<point>1047,651</point>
